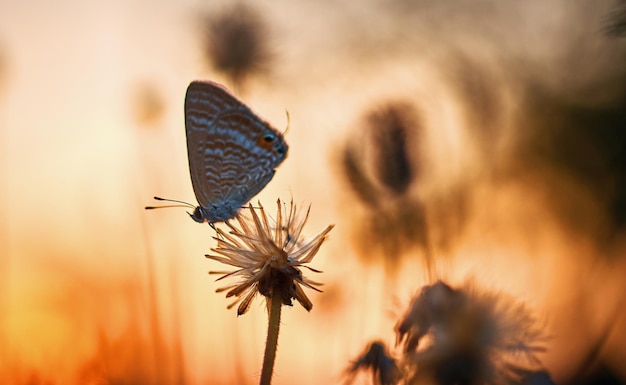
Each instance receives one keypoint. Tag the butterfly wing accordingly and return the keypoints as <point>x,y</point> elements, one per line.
<point>232,152</point>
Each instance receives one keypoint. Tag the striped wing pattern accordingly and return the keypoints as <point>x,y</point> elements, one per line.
<point>232,152</point>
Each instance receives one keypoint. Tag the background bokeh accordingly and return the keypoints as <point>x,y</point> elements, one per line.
<point>503,123</point>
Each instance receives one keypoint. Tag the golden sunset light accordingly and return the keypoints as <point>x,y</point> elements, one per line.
<point>464,163</point>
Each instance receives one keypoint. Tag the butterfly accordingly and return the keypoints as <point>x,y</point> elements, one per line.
<point>233,154</point>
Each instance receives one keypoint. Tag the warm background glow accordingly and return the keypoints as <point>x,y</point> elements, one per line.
<point>94,289</point>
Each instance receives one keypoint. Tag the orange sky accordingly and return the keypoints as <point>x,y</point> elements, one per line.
<point>83,260</point>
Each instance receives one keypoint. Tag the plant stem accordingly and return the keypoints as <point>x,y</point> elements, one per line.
<point>271,343</point>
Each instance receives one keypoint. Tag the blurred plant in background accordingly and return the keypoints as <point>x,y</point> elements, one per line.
<point>379,167</point>
<point>147,103</point>
<point>579,151</point>
<point>375,358</point>
<point>237,44</point>
<point>453,336</point>
<point>383,163</point>
<point>616,20</point>
<point>4,69</point>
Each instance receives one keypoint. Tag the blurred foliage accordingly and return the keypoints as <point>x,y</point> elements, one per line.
<point>616,21</point>
<point>586,144</point>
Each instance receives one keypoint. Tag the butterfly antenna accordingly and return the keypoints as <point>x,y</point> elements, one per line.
<point>180,204</point>
<point>287,128</point>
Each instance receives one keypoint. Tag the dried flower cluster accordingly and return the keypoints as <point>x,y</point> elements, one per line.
<point>460,336</point>
<point>475,337</point>
<point>268,256</point>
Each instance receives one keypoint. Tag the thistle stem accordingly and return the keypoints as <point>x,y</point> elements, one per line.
<point>271,343</point>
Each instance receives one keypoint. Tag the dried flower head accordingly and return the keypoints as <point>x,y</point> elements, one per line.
<point>381,164</point>
<point>237,42</point>
<point>461,336</point>
<point>268,256</point>
<point>384,368</point>
<point>390,128</point>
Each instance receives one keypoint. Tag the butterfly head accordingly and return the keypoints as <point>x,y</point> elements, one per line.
<point>198,215</point>
<point>215,213</point>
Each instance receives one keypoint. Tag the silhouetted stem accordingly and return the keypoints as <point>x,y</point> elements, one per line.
<point>271,343</point>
